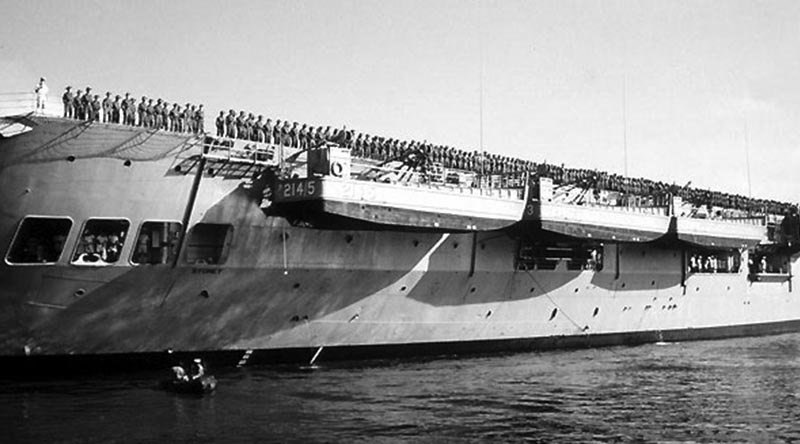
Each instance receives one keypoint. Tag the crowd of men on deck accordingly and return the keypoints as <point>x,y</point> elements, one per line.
<point>249,127</point>
<point>147,113</point>
<point>160,114</point>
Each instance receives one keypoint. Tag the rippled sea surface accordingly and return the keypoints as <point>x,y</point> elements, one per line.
<point>739,390</point>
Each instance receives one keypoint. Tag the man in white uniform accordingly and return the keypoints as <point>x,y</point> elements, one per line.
<point>41,94</point>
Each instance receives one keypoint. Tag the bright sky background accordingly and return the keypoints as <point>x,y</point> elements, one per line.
<point>562,79</point>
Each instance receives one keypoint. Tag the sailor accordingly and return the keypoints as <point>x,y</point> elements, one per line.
<point>41,91</point>
<point>176,114</point>
<point>230,124</point>
<point>240,133</point>
<point>285,139</point>
<point>107,107</point>
<point>142,109</point>
<point>87,104</point>
<point>198,370</point>
<point>199,119</point>
<point>96,106</point>
<point>174,118</point>
<point>113,247</point>
<point>276,132</point>
<point>124,107</point>
<point>166,122</point>
<point>77,104</point>
<point>188,118</point>
<point>268,132</point>
<point>149,114</point>
<point>130,110</point>
<point>249,122</point>
<point>302,136</point>
<point>158,114</point>
<point>221,124</point>
<point>116,109</point>
<point>67,99</point>
<point>258,129</point>
<point>294,135</point>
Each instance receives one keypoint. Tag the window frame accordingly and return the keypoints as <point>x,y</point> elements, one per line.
<point>226,247</point>
<point>19,228</point>
<point>139,233</point>
<point>99,264</point>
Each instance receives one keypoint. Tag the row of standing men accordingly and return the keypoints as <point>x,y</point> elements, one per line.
<point>158,114</point>
<point>248,127</point>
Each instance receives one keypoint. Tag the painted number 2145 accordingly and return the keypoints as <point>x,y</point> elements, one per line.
<point>299,189</point>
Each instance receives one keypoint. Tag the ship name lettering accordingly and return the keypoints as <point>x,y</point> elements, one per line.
<point>206,270</point>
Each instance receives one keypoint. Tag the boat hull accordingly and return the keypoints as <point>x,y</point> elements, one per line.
<point>288,293</point>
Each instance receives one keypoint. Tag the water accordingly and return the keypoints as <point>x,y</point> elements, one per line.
<point>740,390</point>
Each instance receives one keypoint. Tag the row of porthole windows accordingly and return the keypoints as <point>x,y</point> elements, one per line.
<point>42,240</point>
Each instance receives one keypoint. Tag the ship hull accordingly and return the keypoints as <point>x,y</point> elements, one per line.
<point>297,294</point>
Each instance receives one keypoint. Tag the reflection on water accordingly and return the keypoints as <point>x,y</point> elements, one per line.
<point>741,390</point>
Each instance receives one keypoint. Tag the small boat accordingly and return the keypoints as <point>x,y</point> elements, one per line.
<point>199,386</point>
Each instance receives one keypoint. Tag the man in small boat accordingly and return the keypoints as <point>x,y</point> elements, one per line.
<point>180,373</point>
<point>198,370</point>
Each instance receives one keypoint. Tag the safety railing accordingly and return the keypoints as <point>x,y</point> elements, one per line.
<point>239,151</point>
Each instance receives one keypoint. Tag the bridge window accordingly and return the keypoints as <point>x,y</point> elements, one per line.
<point>209,243</point>
<point>101,242</point>
<point>548,256</point>
<point>768,261</point>
<point>39,240</point>
<point>713,261</point>
<point>157,243</point>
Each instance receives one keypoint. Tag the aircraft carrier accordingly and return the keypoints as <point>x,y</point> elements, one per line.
<point>125,246</point>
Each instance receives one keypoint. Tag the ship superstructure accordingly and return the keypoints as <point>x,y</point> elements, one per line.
<point>126,245</point>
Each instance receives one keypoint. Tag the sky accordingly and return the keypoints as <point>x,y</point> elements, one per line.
<point>705,91</point>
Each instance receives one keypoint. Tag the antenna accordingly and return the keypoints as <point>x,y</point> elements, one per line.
<point>747,158</point>
<point>625,125</point>
<point>480,39</point>
<point>480,87</point>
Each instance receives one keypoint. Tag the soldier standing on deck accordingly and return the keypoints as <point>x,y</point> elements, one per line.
<point>258,129</point>
<point>221,124</point>
<point>248,126</point>
<point>96,106</point>
<point>268,132</point>
<point>130,112</point>
<point>294,136</point>
<point>276,132</point>
<point>165,117</point>
<point>158,114</point>
<point>179,119</point>
<point>174,118</point>
<point>199,118</point>
<point>188,118</point>
<point>67,99</point>
<point>107,107</point>
<point>87,104</point>
<point>142,109</point>
<point>77,105</point>
<point>116,109</point>
<point>124,109</point>
<point>240,134</point>
<point>230,124</point>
